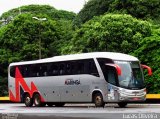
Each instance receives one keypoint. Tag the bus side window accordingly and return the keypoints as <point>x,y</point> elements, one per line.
<point>35,70</point>
<point>21,70</point>
<point>111,75</point>
<point>104,68</point>
<point>25,71</point>
<point>80,67</point>
<point>12,71</point>
<point>43,70</point>
<point>73,68</point>
<point>68,68</point>
<point>92,69</point>
<point>53,70</point>
<point>62,69</point>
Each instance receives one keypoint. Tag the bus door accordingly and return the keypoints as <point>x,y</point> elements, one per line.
<point>112,83</point>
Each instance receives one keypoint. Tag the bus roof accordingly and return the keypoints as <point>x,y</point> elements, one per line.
<point>109,55</point>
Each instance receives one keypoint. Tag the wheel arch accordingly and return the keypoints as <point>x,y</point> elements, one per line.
<point>36,92</point>
<point>23,96</point>
<point>95,92</point>
<point>31,95</point>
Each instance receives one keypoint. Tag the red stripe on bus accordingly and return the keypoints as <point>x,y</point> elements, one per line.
<point>19,80</point>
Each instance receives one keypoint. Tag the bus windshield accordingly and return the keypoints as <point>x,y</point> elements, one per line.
<point>131,77</point>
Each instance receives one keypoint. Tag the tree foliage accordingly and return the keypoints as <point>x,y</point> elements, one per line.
<point>103,25</point>
<point>149,53</point>
<point>143,9</point>
<point>110,32</point>
<point>26,33</point>
<point>35,10</point>
<point>92,8</point>
<point>20,38</point>
<point>40,9</point>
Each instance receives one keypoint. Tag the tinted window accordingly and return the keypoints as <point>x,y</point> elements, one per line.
<point>26,71</point>
<point>86,66</point>
<point>35,70</point>
<point>43,70</point>
<point>12,71</point>
<point>69,68</point>
<point>108,71</point>
<point>73,67</point>
<point>53,70</point>
<point>62,69</point>
<point>92,69</point>
<point>80,67</point>
<point>111,72</point>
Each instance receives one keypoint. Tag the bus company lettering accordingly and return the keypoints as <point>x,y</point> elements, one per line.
<point>72,82</point>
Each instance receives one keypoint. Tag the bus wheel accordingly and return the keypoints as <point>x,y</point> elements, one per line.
<point>37,101</point>
<point>28,100</point>
<point>60,104</point>
<point>98,100</point>
<point>122,104</point>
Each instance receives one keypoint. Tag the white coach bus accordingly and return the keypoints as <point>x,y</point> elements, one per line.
<point>100,77</point>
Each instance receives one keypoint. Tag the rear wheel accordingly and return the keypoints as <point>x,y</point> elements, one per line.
<point>28,100</point>
<point>98,100</point>
<point>37,101</point>
<point>122,104</point>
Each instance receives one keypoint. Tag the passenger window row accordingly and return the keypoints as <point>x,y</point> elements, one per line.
<point>85,66</point>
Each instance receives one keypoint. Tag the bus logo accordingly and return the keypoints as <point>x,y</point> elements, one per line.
<point>72,82</point>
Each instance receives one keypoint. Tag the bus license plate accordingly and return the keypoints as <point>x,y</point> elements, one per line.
<point>136,99</point>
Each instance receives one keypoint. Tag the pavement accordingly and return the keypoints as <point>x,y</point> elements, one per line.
<point>80,111</point>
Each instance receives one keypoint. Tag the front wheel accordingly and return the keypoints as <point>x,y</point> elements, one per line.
<point>98,100</point>
<point>37,101</point>
<point>122,104</point>
<point>28,100</point>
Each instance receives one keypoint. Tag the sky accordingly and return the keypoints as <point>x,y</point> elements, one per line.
<point>69,5</point>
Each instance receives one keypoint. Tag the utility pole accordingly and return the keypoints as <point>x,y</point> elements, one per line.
<point>39,19</point>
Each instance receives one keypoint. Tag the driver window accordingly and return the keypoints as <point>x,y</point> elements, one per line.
<point>109,72</point>
<point>111,75</point>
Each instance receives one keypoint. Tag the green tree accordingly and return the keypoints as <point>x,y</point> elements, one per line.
<point>143,9</point>
<point>110,32</point>
<point>24,33</point>
<point>92,8</point>
<point>3,86</point>
<point>20,39</point>
<point>35,10</point>
<point>148,53</point>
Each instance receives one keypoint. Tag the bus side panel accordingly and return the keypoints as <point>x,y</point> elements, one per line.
<point>11,88</point>
<point>78,91</point>
<point>19,85</point>
<point>48,87</point>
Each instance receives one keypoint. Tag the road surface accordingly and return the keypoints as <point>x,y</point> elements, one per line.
<point>80,111</point>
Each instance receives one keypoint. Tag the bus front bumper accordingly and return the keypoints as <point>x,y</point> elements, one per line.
<point>132,95</point>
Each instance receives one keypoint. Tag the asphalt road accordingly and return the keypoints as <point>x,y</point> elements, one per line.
<point>80,111</point>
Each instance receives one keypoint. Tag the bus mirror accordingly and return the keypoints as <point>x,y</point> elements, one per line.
<point>119,71</point>
<point>148,68</point>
